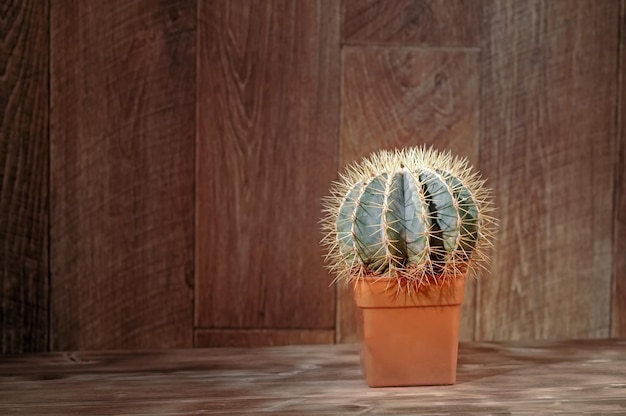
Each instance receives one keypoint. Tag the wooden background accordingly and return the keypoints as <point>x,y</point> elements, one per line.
<point>162,162</point>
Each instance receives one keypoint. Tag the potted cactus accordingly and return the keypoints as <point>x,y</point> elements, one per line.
<point>405,228</point>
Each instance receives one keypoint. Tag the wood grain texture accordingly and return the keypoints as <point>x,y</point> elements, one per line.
<point>261,337</point>
<point>547,144</point>
<point>618,309</point>
<point>397,97</point>
<point>24,65</point>
<point>573,377</point>
<point>122,174</point>
<point>348,318</point>
<point>412,22</point>
<point>268,100</point>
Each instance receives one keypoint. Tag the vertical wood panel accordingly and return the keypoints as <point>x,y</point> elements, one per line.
<point>268,86</point>
<point>618,321</point>
<point>403,96</point>
<point>416,22</point>
<point>24,64</point>
<point>122,157</point>
<point>548,105</point>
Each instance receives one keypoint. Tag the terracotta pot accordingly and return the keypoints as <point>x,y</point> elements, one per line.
<point>409,339</point>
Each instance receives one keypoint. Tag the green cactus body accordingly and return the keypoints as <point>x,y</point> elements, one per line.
<point>416,215</point>
<point>407,218</point>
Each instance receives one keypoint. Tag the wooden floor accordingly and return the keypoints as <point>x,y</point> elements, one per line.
<point>515,378</point>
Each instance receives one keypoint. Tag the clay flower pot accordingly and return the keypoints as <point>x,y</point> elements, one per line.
<point>409,339</point>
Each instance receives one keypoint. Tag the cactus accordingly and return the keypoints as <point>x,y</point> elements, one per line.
<point>416,215</point>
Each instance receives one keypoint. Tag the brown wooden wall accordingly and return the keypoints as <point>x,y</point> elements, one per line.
<point>163,162</point>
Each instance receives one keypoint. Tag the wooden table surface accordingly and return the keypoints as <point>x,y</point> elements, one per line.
<point>493,378</point>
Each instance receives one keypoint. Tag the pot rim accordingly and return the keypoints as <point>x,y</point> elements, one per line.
<point>387,293</point>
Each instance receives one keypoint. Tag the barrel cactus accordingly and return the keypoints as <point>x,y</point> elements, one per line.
<point>415,214</point>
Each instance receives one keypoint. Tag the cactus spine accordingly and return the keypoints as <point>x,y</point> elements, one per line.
<point>413,214</point>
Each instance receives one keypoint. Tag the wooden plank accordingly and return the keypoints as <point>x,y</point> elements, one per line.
<point>572,377</point>
<point>400,96</point>
<point>618,309</point>
<point>24,66</point>
<point>548,104</point>
<point>268,86</point>
<point>261,337</point>
<point>412,22</point>
<point>122,155</point>
<point>349,318</point>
